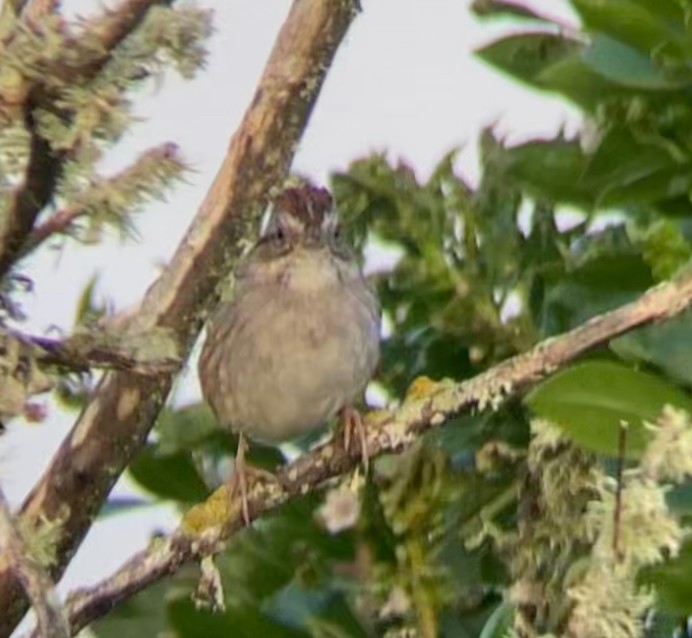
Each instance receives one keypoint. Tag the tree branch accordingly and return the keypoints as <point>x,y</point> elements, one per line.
<point>130,185</point>
<point>51,619</point>
<point>206,527</point>
<point>44,165</point>
<point>101,349</point>
<point>116,423</point>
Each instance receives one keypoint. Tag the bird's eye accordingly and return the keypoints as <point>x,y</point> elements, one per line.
<point>337,232</point>
<point>280,235</point>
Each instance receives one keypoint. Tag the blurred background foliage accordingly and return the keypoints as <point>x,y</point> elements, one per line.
<point>554,232</point>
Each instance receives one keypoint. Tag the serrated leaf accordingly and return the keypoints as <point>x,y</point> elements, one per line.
<point>591,401</point>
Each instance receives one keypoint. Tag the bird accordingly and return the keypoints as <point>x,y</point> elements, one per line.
<point>300,339</point>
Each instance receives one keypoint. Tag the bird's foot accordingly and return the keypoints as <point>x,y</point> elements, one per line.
<point>242,478</point>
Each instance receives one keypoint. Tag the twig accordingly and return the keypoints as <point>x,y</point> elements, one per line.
<point>99,195</point>
<point>50,617</point>
<point>114,425</point>
<point>622,441</point>
<point>82,352</point>
<point>117,23</point>
<point>392,433</point>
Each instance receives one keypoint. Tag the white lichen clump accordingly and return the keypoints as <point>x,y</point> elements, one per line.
<point>340,510</point>
<point>669,455</point>
<point>607,601</point>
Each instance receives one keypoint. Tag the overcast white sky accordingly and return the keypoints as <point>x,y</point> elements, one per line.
<point>405,81</point>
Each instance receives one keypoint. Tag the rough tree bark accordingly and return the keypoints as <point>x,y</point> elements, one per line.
<point>116,422</point>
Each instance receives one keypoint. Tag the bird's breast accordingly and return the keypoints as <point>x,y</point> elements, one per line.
<point>303,349</point>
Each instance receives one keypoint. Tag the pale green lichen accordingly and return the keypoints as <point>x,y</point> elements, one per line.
<point>41,537</point>
<point>669,455</point>
<point>608,603</point>
<point>582,573</point>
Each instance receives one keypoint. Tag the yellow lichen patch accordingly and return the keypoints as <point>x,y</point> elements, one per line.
<point>421,388</point>
<point>213,512</point>
<point>376,417</point>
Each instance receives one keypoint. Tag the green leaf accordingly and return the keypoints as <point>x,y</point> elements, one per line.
<point>169,477</point>
<point>501,8</point>
<point>628,67</point>
<point>304,608</point>
<point>634,25</point>
<point>578,82</point>
<point>141,615</point>
<point>525,56</point>
<point>591,401</point>
<point>499,623</point>
<point>620,160</point>
<point>258,565</point>
<point>673,582</point>
<point>612,277</point>
<point>88,310</point>
<point>552,169</point>
<point>239,622</point>
<point>185,428</point>
<point>667,345</point>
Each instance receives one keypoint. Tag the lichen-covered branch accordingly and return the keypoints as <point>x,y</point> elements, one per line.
<point>114,197</point>
<point>20,100</point>
<point>116,423</point>
<point>148,354</point>
<point>51,620</point>
<point>207,526</point>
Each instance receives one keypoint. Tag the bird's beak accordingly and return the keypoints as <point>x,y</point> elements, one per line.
<point>313,238</point>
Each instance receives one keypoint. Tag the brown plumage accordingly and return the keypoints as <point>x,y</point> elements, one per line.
<point>300,339</point>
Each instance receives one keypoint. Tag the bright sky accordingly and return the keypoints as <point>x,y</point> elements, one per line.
<point>405,81</point>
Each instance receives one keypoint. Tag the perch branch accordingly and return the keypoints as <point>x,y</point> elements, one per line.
<point>431,405</point>
<point>115,424</point>
<point>51,620</point>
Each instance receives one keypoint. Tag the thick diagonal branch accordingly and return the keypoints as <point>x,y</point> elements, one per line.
<point>115,424</point>
<point>432,406</point>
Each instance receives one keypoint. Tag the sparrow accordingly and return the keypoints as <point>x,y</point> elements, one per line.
<point>299,341</point>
